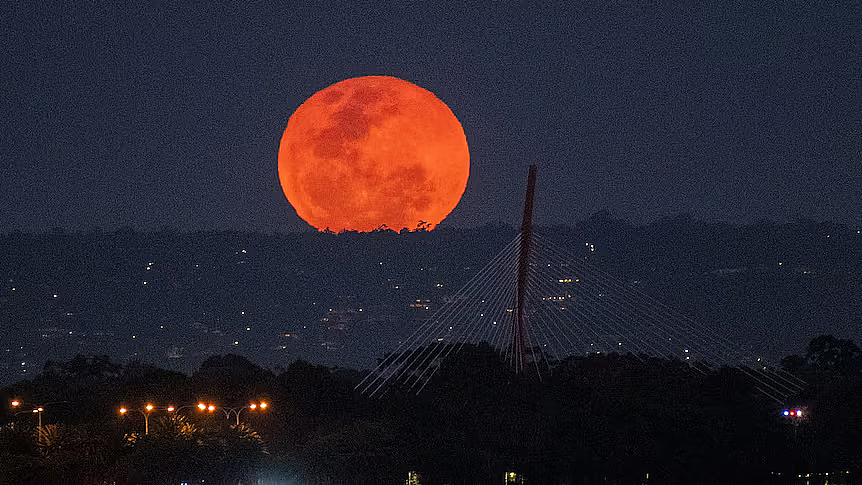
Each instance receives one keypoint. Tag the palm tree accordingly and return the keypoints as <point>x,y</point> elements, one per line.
<point>54,438</point>
<point>174,427</point>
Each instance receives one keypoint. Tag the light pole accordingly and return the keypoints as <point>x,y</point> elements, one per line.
<point>38,412</point>
<point>149,408</point>
<point>145,412</point>
<point>34,408</point>
<point>171,409</point>
<point>253,406</point>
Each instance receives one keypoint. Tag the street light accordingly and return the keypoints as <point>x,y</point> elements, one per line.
<point>38,411</point>
<point>176,410</point>
<point>145,412</point>
<point>206,407</point>
<point>149,408</point>
<point>33,408</point>
<point>253,406</point>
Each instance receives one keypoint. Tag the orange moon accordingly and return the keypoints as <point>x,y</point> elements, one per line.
<point>373,151</point>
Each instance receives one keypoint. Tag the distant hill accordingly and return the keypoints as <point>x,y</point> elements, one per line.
<point>174,298</point>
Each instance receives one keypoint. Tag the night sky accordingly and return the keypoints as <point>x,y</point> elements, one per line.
<point>169,115</point>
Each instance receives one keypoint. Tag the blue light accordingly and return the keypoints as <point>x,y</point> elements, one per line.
<point>785,412</point>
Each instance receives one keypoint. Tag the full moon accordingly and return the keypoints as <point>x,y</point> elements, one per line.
<point>373,152</point>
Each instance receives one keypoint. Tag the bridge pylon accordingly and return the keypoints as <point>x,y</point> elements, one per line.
<point>518,319</point>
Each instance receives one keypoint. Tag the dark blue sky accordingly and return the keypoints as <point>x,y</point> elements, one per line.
<point>158,115</point>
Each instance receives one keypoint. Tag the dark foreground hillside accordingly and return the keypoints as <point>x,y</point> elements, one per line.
<point>615,419</point>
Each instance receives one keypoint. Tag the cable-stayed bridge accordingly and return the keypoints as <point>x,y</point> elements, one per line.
<point>537,302</point>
